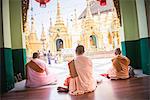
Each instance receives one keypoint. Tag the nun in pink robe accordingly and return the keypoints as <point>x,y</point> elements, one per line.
<point>119,69</point>
<point>35,78</point>
<point>85,81</point>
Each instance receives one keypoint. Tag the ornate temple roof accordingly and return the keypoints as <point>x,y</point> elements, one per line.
<point>96,7</point>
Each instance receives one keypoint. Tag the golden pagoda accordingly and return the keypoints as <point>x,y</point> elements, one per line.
<point>91,38</point>
<point>34,43</point>
<point>103,22</point>
<point>59,37</point>
<point>44,40</point>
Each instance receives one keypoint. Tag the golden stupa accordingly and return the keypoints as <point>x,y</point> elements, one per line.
<point>59,37</point>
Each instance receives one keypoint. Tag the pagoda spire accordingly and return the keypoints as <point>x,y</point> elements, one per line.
<point>58,8</point>
<point>75,21</point>
<point>59,26</point>
<point>33,35</point>
<point>32,25</point>
<point>50,22</point>
<point>43,38</point>
<point>43,35</point>
<point>89,21</point>
<point>50,25</point>
<point>32,20</point>
<point>75,15</point>
<point>88,12</point>
<point>58,15</point>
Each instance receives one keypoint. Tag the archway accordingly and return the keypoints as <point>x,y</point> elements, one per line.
<point>59,44</point>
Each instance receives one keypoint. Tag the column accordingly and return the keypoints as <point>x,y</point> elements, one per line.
<point>6,62</point>
<point>143,34</point>
<point>130,32</point>
<point>17,37</point>
<point>134,34</point>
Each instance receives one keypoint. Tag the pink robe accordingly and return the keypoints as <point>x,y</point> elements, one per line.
<point>119,70</point>
<point>84,82</point>
<point>36,79</point>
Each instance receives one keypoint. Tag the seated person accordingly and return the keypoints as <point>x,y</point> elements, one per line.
<point>37,73</point>
<point>119,69</point>
<point>83,82</point>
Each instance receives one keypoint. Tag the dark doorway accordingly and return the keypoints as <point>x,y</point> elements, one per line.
<point>93,42</point>
<point>59,44</point>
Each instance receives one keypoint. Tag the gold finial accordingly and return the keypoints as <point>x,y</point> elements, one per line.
<point>58,8</point>
<point>88,10</point>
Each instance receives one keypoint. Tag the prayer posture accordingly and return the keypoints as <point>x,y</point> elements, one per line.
<point>37,73</point>
<point>81,80</point>
<point>119,69</point>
